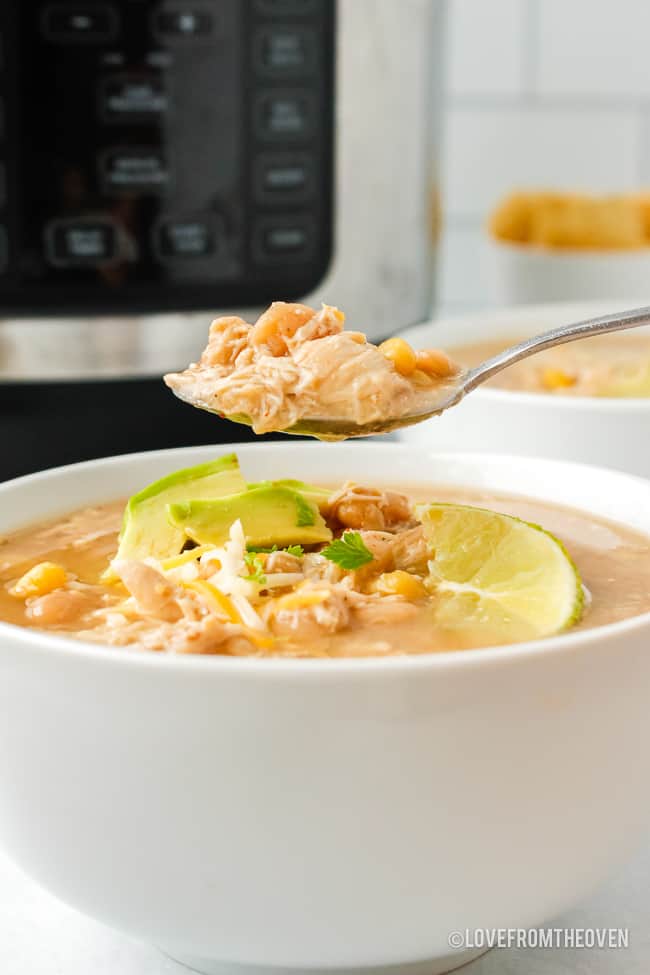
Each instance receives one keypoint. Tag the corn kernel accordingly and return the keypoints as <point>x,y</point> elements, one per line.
<point>357,337</point>
<point>400,354</point>
<point>433,362</point>
<point>557,378</point>
<point>400,583</point>
<point>39,580</point>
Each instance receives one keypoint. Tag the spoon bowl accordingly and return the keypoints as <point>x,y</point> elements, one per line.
<point>334,430</point>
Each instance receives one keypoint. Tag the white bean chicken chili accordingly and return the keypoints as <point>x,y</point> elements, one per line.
<point>357,578</point>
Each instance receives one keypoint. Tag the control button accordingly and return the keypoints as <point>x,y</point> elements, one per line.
<point>134,169</point>
<point>192,238</point>
<point>79,22</point>
<point>285,51</point>
<point>280,8</point>
<point>285,115</point>
<point>131,99</point>
<point>288,238</point>
<point>80,243</point>
<point>283,177</point>
<point>184,21</point>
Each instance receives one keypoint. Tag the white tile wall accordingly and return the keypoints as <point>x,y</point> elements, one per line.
<point>539,93</point>
<point>461,268</point>
<point>481,58</point>
<point>490,151</point>
<point>591,48</point>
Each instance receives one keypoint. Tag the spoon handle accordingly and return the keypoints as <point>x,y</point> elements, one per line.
<point>557,336</point>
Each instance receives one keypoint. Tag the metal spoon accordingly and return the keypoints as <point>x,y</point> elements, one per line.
<point>454,391</point>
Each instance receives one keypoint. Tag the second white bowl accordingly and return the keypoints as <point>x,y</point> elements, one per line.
<point>520,273</point>
<point>606,432</point>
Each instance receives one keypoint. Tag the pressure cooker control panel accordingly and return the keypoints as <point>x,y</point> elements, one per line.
<point>163,155</point>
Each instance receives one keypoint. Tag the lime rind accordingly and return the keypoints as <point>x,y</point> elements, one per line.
<point>507,577</point>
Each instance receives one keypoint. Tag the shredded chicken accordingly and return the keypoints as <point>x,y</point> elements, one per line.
<point>282,562</point>
<point>298,363</point>
<point>384,610</point>
<point>316,566</point>
<point>228,600</point>
<point>186,623</point>
<point>406,550</point>
<point>411,551</point>
<point>326,609</point>
<point>206,635</point>
<point>153,593</point>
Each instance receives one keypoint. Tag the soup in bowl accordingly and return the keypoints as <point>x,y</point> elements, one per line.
<point>340,810</point>
<point>587,400</point>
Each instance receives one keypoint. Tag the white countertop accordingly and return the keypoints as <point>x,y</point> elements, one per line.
<point>40,936</point>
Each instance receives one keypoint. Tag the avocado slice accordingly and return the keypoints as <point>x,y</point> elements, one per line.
<point>146,529</point>
<point>313,493</point>
<point>270,515</point>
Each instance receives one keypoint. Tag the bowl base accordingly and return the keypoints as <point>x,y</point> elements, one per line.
<point>435,966</point>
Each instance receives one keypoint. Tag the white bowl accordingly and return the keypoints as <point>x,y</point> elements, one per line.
<point>325,814</point>
<point>593,430</point>
<point>521,274</point>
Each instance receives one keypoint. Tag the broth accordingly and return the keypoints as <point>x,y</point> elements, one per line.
<point>606,365</point>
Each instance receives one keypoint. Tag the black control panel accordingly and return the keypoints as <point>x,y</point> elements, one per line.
<point>164,155</point>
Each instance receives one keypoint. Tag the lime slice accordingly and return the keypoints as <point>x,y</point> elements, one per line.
<point>497,578</point>
<point>627,381</point>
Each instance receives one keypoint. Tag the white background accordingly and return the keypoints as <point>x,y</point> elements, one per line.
<point>539,93</point>
<point>40,936</point>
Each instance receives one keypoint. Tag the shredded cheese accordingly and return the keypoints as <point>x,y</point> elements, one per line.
<point>177,561</point>
<point>215,599</point>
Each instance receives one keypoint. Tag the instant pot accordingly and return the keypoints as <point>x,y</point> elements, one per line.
<point>164,162</point>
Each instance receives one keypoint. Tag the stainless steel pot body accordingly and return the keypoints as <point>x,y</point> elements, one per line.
<point>389,76</point>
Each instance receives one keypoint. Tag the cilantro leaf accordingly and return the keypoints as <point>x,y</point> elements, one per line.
<point>305,510</point>
<point>255,569</point>
<point>258,549</point>
<point>348,551</point>
<point>296,550</point>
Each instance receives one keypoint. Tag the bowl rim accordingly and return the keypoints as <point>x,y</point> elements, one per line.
<point>508,316</point>
<point>317,668</point>
<point>593,404</point>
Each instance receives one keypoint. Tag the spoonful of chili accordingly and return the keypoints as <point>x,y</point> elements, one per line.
<point>308,376</point>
